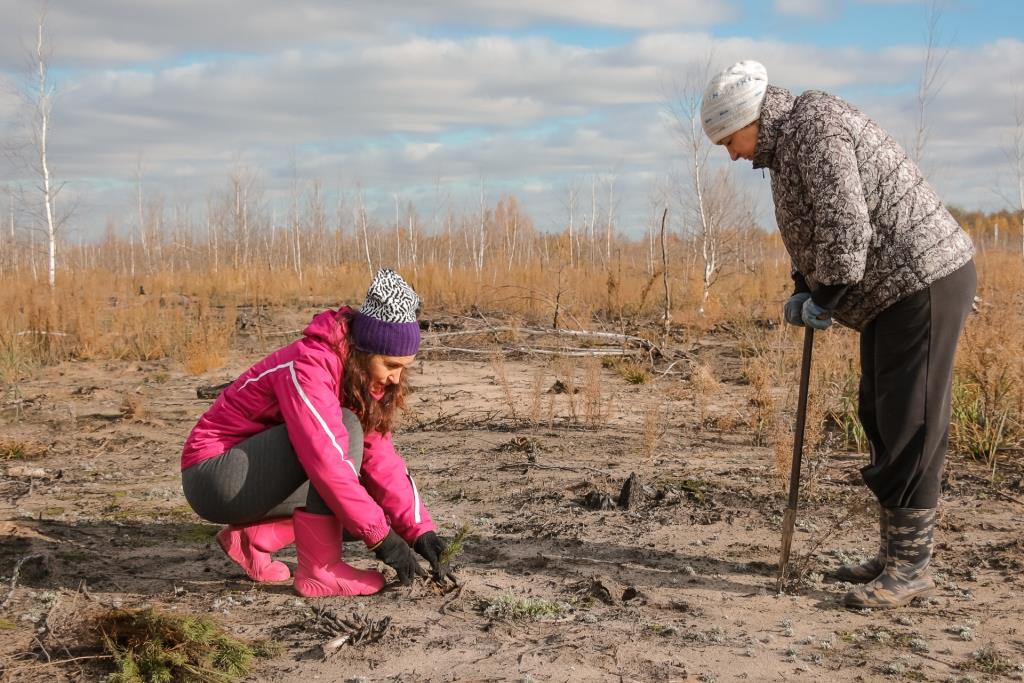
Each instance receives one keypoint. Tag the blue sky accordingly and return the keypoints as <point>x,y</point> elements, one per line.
<point>427,101</point>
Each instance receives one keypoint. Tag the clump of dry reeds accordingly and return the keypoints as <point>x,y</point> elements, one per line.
<point>704,385</point>
<point>598,404</point>
<point>988,390</point>
<point>652,431</point>
<point>501,378</point>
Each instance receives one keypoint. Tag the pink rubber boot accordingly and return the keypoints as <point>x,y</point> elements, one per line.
<point>321,572</point>
<point>250,546</point>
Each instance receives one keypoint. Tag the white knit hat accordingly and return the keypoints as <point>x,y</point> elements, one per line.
<point>733,99</point>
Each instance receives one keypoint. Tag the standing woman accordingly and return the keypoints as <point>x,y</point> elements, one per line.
<point>873,248</point>
<point>298,449</point>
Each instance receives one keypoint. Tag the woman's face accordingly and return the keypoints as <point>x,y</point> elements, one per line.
<point>386,370</point>
<point>742,143</point>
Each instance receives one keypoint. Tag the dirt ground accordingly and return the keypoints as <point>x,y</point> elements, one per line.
<point>679,587</point>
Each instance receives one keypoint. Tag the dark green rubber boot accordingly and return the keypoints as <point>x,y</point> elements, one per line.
<point>909,552</point>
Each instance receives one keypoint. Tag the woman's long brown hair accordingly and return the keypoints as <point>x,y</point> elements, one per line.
<point>375,415</point>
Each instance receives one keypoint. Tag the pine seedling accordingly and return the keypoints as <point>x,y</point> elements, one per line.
<point>456,544</point>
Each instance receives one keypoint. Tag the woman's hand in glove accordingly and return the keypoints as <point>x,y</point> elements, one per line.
<point>396,553</point>
<point>431,547</point>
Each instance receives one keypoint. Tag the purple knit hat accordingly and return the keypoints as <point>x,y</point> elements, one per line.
<point>386,322</point>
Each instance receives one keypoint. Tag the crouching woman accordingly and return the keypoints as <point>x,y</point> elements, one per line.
<point>299,449</point>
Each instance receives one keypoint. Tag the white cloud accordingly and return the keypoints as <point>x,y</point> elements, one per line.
<point>807,9</point>
<point>400,111</point>
<point>124,32</point>
<point>420,151</point>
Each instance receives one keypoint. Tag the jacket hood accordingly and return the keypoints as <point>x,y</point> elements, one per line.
<point>775,108</point>
<point>330,326</point>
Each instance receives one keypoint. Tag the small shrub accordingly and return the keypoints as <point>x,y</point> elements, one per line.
<point>991,661</point>
<point>512,608</point>
<point>16,449</point>
<point>154,646</point>
<point>633,372</point>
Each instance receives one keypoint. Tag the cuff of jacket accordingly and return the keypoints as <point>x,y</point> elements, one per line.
<point>412,533</point>
<point>799,283</point>
<point>375,534</point>
<point>828,296</point>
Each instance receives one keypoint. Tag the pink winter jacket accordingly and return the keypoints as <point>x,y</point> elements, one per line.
<point>298,385</point>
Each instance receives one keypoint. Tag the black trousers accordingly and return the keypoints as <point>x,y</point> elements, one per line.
<point>260,478</point>
<point>906,389</point>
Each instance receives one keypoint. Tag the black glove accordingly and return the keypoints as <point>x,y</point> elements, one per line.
<point>396,553</point>
<point>431,547</point>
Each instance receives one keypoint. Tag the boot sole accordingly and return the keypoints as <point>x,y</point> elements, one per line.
<point>926,593</point>
<point>311,588</point>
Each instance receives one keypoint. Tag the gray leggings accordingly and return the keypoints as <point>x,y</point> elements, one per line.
<point>260,478</point>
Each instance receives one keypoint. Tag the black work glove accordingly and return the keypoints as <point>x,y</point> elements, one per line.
<point>396,553</point>
<point>431,547</point>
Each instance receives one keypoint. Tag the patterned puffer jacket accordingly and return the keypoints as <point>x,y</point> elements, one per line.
<point>852,208</point>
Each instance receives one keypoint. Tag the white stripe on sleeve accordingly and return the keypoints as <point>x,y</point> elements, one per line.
<point>309,404</point>
<point>416,499</point>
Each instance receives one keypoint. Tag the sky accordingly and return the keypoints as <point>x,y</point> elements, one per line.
<point>433,103</point>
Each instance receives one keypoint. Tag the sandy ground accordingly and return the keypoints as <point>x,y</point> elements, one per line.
<point>680,587</point>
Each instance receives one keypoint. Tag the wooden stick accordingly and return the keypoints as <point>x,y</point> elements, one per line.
<point>789,519</point>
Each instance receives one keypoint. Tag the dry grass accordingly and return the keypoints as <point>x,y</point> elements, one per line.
<point>988,392</point>
<point>20,449</point>
<point>188,315</point>
<point>598,405</point>
<point>134,407</point>
<point>652,431</point>
<point>704,386</point>
<point>566,385</point>
<point>501,379</point>
<point>632,371</point>
<point>764,411</point>
<point>537,389</point>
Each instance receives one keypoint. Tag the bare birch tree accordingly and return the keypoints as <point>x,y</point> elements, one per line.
<point>711,202</point>
<point>481,243</point>
<point>929,85</point>
<point>610,221</point>
<point>39,95</point>
<point>360,219</point>
<point>140,223</point>
<point>666,319</point>
<point>398,234</point>
<point>571,203</point>
<point>685,109</point>
<point>1015,154</point>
